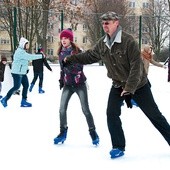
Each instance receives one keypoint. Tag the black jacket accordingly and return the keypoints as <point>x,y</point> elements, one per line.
<point>39,64</point>
<point>2,70</point>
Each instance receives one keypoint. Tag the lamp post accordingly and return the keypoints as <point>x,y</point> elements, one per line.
<point>140,31</point>
<point>15,28</point>
<point>62,19</point>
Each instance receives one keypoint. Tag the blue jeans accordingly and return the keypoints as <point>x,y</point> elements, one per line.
<point>18,80</point>
<point>81,91</point>
<point>144,98</point>
<point>36,75</point>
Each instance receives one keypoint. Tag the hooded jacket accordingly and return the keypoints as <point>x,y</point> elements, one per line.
<point>21,58</point>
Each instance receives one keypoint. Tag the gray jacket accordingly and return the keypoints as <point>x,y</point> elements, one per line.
<point>123,62</point>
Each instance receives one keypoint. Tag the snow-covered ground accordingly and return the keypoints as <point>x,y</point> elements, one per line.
<point>26,134</point>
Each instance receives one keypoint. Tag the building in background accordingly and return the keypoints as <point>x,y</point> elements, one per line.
<point>80,33</point>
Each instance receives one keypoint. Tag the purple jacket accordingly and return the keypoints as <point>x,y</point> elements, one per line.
<point>71,75</point>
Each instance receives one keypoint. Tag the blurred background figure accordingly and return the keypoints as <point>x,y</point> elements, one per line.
<point>38,69</point>
<point>2,70</point>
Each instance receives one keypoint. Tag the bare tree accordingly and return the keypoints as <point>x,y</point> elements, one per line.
<point>155,19</point>
<point>93,9</point>
<point>31,20</point>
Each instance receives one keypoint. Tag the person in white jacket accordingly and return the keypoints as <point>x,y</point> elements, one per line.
<point>19,72</point>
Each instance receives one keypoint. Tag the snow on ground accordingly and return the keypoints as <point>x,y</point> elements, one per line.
<point>27,134</point>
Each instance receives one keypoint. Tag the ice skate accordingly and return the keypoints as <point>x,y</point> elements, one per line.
<point>61,137</point>
<point>41,90</point>
<point>115,153</point>
<point>24,103</point>
<point>94,136</point>
<point>4,102</point>
<point>31,87</point>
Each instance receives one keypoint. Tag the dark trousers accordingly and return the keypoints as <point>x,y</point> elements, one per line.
<point>41,77</point>
<point>144,98</point>
<point>81,91</point>
<point>17,81</point>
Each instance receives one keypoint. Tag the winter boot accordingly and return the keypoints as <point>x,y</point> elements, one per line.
<point>94,136</point>
<point>24,103</point>
<point>115,153</point>
<point>61,137</point>
<point>31,86</point>
<point>4,102</point>
<point>41,90</point>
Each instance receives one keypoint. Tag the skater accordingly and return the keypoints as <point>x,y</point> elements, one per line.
<point>19,72</point>
<point>121,55</point>
<point>17,92</point>
<point>38,69</point>
<point>147,57</point>
<point>2,70</point>
<point>72,80</point>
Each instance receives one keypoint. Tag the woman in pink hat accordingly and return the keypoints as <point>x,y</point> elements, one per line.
<point>72,80</point>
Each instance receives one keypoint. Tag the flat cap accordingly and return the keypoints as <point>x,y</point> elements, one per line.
<point>110,16</point>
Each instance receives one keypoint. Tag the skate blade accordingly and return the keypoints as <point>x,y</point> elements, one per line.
<point>96,142</point>
<point>59,141</point>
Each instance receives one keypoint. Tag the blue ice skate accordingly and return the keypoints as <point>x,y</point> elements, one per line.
<point>4,102</point>
<point>115,153</point>
<point>94,136</point>
<point>40,90</point>
<point>31,87</point>
<point>24,103</point>
<point>61,137</point>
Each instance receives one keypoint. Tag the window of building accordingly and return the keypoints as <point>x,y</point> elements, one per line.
<point>145,29</point>
<point>84,40</point>
<point>132,29</point>
<point>144,41</point>
<point>145,5</point>
<point>74,2</point>
<point>85,27</point>
<point>50,51</point>
<point>75,39</point>
<point>131,4</point>
<point>50,26</point>
<point>50,39</point>
<point>4,41</point>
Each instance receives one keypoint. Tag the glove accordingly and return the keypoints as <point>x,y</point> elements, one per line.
<point>128,97</point>
<point>61,84</point>
<point>66,63</point>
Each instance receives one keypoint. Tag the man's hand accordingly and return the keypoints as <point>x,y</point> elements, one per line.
<point>127,96</point>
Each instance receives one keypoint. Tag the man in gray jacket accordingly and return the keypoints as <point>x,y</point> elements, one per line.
<point>121,56</point>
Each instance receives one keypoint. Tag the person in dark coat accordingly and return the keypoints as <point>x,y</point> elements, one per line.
<point>38,69</point>
<point>2,70</point>
<point>121,55</point>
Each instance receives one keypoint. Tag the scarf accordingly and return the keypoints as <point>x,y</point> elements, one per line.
<point>146,55</point>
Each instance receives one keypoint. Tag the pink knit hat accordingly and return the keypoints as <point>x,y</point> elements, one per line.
<point>67,33</point>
